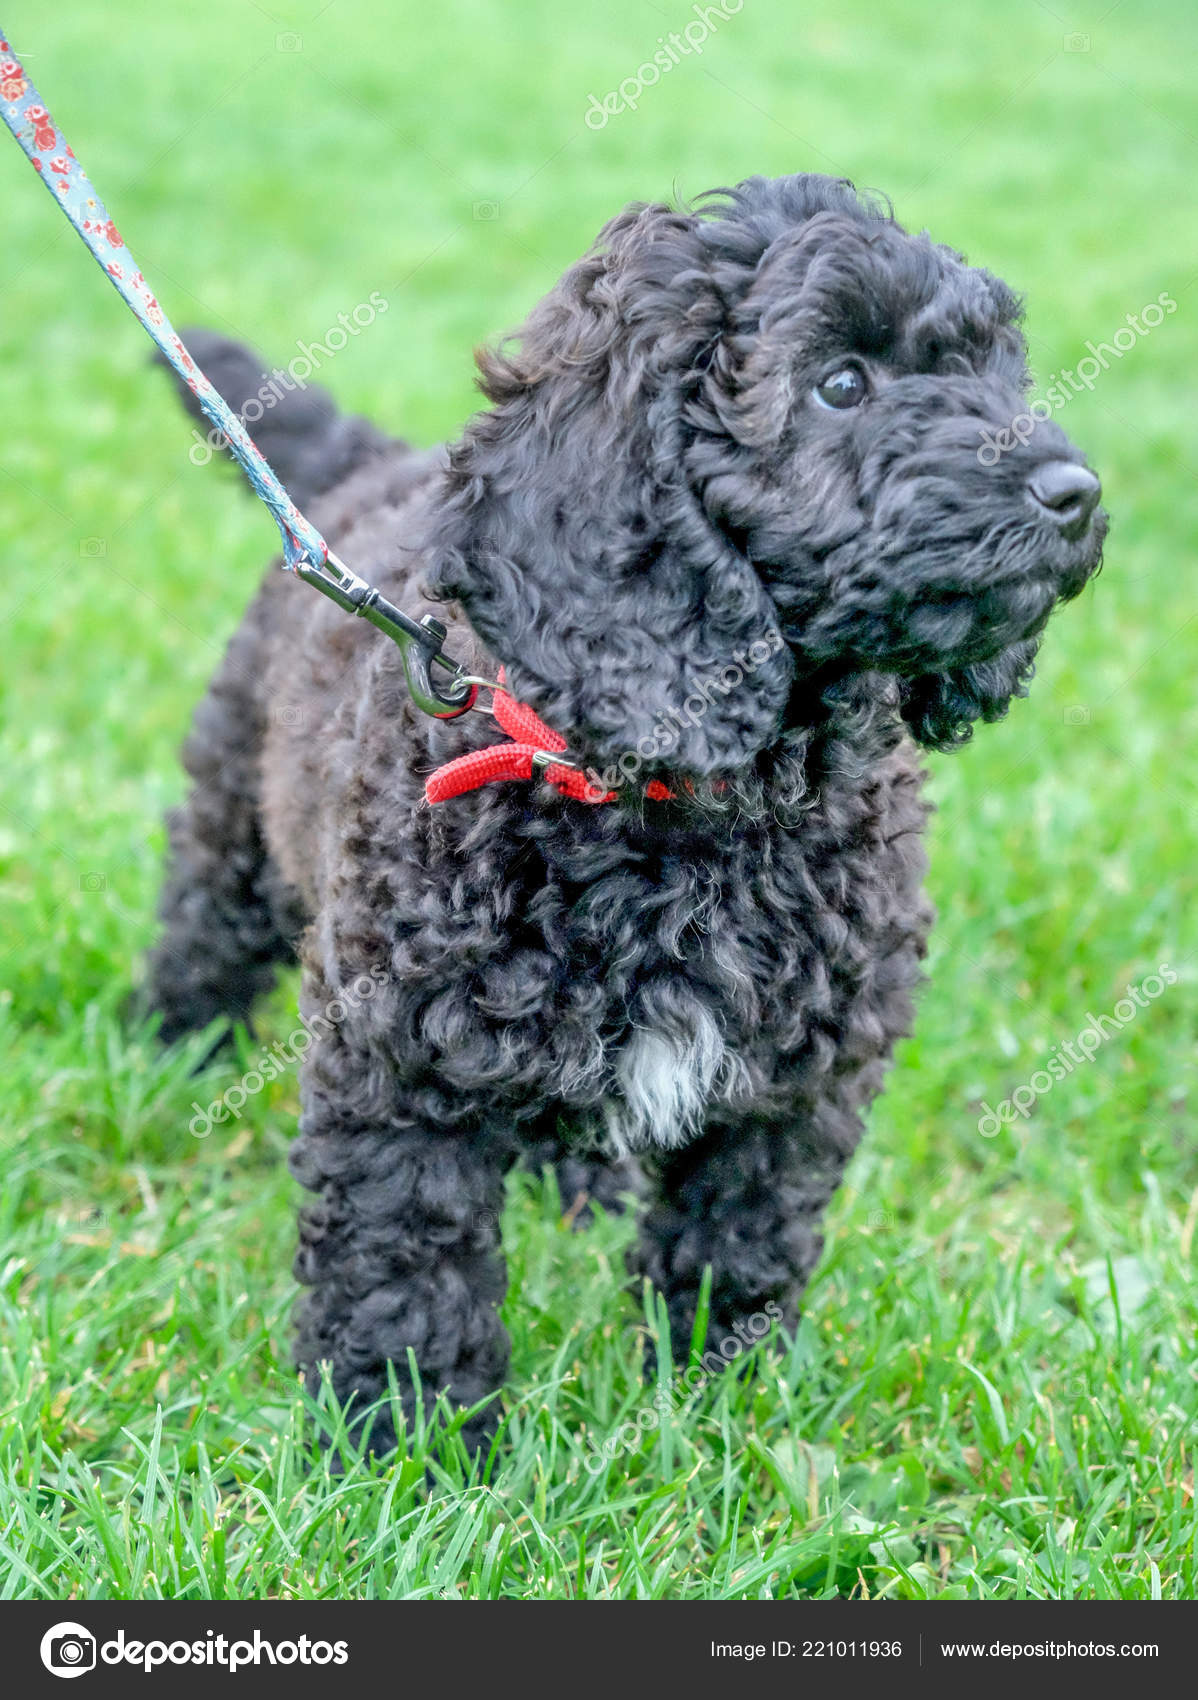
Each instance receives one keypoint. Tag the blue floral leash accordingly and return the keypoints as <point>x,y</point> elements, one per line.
<point>305,551</point>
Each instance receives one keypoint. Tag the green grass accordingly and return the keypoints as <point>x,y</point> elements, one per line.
<point>993,1392</point>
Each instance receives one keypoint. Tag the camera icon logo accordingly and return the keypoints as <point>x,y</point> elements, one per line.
<point>1077,43</point>
<point>68,1649</point>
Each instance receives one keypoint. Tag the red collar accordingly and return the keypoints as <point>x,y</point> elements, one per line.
<point>532,744</point>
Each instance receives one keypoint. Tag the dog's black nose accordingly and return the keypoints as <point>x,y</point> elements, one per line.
<point>1069,493</point>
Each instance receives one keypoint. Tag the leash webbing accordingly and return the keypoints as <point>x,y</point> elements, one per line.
<point>48,152</point>
<point>533,745</point>
<point>305,551</point>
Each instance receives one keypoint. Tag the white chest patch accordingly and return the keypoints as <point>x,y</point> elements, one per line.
<point>664,1085</point>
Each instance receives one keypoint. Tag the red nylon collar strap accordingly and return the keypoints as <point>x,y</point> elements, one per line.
<point>531,742</point>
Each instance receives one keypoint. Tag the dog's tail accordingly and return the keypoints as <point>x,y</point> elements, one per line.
<point>297,426</point>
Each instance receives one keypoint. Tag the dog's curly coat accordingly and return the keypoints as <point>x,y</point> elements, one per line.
<point>725,524</point>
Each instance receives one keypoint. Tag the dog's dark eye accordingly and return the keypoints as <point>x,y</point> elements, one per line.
<point>845,388</point>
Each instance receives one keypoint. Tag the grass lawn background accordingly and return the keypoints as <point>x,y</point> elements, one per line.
<point>993,1393</point>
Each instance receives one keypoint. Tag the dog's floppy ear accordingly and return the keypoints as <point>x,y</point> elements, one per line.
<point>572,533</point>
<point>940,708</point>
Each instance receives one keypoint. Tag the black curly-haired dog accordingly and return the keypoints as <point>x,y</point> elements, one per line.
<point>726,527</point>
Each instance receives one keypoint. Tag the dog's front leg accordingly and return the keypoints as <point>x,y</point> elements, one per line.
<point>745,1198</point>
<point>401,1249</point>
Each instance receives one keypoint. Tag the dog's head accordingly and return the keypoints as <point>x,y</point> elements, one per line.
<point>743,450</point>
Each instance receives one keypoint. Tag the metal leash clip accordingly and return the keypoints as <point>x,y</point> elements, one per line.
<point>419,641</point>
<point>548,758</point>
